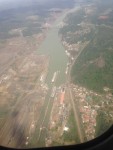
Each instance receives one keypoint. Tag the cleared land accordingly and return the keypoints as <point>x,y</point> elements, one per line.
<point>21,101</point>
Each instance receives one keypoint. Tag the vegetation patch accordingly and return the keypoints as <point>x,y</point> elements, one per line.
<point>72,134</point>
<point>97,75</point>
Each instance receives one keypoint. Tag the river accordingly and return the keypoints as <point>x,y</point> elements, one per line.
<point>52,46</point>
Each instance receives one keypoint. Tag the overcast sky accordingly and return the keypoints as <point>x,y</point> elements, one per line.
<point>5,4</point>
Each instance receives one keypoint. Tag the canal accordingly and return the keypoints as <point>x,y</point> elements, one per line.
<point>53,47</point>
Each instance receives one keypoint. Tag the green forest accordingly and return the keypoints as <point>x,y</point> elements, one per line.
<point>94,67</point>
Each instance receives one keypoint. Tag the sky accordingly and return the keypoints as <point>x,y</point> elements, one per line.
<point>5,4</point>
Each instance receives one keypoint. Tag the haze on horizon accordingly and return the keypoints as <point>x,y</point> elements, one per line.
<point>8,4</point>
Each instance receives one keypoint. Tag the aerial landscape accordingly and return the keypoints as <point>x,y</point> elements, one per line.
<point>56,71</point>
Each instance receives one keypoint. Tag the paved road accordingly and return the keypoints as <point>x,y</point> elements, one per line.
<point>80,129</point>
<point>76,117</point>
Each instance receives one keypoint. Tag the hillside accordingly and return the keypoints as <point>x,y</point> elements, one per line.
<point>94,67</point>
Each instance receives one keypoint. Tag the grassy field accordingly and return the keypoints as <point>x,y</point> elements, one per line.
<point>72,135</point>
<point>69,137</point>
<point>103,123</point>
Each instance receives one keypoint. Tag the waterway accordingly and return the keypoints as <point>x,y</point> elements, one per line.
<point>53,47</point>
